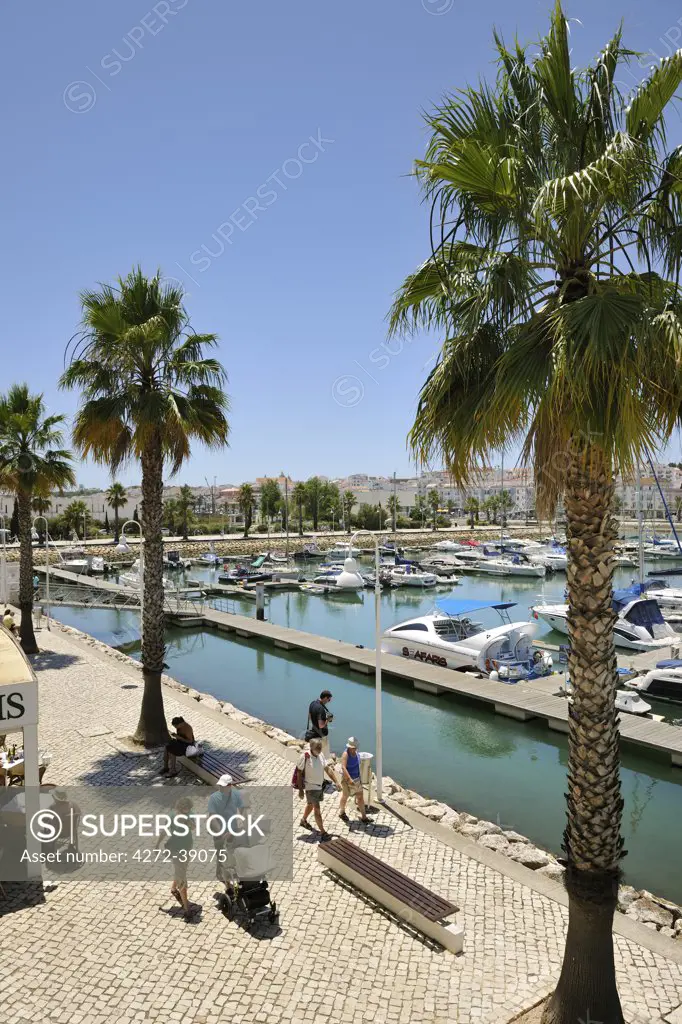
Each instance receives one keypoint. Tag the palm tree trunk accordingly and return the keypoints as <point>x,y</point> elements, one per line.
<point>151,728</point>
<point>300,521</point>
<point>592,841</point>
<point>26,634</point>
<point>116,533</point>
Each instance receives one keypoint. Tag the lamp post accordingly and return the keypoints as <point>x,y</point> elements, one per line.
<point>85,528</point>
<point>377,664</point>
<point>47,566</point>
<point>3,565</point>
<point>123,546</point>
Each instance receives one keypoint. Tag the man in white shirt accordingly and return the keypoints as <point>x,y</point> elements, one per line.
<point>312,768</point>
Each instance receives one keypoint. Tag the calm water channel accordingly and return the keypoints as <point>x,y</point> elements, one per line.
<point>443,747</point>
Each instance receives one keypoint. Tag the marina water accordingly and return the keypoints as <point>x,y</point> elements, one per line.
<point>508,772</point>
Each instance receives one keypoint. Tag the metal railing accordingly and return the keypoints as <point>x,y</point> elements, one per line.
<point>175,602</point>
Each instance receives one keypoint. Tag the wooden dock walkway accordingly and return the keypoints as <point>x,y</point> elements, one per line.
<point>535,699</point>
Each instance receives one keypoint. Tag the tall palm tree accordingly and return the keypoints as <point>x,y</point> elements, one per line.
<point>117,496</point>
<point>471,507</point>
<point>185,506</point>
<point>245,501</point>
<point>41,504</point>
<point>75,517</point>
<point>32,462</point>
<point>554,281</point>
<point>298,496</point>
<point>148,391</point>
<point>349,500</point>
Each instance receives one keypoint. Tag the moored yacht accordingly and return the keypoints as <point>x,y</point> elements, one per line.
<point>409,576</point>
<point>640,625</point>
<point>448,637</point>
<point>662,683</point>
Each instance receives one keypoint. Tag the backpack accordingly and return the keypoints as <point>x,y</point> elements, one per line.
<point>298,778</point>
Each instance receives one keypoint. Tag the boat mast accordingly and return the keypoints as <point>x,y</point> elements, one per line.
<point>502,503</point>
<point>286,509</point>
<point>665,504</point>
<point>395,539</point>
<point>640,531</point>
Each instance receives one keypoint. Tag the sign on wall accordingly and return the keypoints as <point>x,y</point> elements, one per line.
<point>18,706</point>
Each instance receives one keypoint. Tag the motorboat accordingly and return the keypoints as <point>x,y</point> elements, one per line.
<point>132,580</point>
<point>390,549</point>
<point>308,553</point>
<point>662,683</point>
<point>209,558</point>
<point>347,577</point>
<point>173,561</point>
<point>446,545</point>
<point>508,565</point>
<point>664,548</point>
<point>75,561</point>
<point>97,565</point>
<point>640,625</point>
<point>409,576</point>
<point>553,557</point>
<point>660,591</point>
<point>623,561</point>
<point>450,638</point>
<point>443,566</point>
<point>343,551</point>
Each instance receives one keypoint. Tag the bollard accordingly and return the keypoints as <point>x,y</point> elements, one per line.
<point>260,601</point>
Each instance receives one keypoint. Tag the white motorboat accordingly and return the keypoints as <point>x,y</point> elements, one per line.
<point>639,626</point>
<point>132,581</point>
<point>553,558</point>
<point>661,591</point>
<point>623,561</point>
<point>97,566</point>
<point>443,566</point>
<point>515,565</point>
<point>343,551</point>
<point>446,545</point>
<point>209,558</point>
<point>347,577</point>
<point>662,683</point>
<point>448,637</point>
<point>408,576</point>
<point>75,561</point>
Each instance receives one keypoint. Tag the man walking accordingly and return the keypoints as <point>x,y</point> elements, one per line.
<point>312,768</point>
<point>318,721</point>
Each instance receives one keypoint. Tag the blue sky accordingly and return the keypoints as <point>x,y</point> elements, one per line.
<point>280,137</point>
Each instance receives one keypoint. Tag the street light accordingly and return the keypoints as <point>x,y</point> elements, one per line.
<point>377,663</point>
<point>47,565</point>
<point>3,566</point>
<point>123,547</point>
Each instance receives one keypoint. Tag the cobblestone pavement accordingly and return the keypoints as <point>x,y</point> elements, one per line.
<point>107,952</point>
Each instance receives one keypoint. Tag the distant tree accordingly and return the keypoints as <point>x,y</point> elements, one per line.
<point>41,504</point>
<point>76,518</point>
<point>116,496</point>
<point>678,508</point>
<point>330,502</point>
<point>136,517</point>
<point>106,521</point>
<point>270,499</point>
<point>171,515</point>
<point>185,507</point>
<point>245,501</point>
<point>299,498</point>
<point>433,501</point>
<point>349,500</point>
<point>393,508</point>
<point>471,507</point>
<point>313,491</point>
<point>505,502</point>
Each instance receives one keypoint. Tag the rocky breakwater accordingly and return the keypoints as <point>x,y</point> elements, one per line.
<point>652,911</point>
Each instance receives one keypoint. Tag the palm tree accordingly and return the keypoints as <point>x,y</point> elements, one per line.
<point>41,504</point>
<point>148,391</point>
<point>32,462</point>
<point>75,517</point>
<point>433,502</point>
<point>349,500</point>
<point>548,194</point>
<point>185,507</point>
<point>471,507</point>
<point>245,501</point>
<point>298,496</point>
<point>117,496</point>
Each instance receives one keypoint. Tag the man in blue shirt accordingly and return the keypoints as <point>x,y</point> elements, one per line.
<point>224,803</point>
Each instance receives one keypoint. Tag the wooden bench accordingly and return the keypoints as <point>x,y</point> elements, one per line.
<point>209,766</point>
<point>410,901</point>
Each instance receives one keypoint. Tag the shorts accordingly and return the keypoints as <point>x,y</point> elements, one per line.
<point>353,788</point>
<point>180,873</point>
<point>314,796</point>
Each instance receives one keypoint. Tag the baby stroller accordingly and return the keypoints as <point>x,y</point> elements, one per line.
<point>247,896</point>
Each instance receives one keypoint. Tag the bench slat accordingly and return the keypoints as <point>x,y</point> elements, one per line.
<point>409,892</point>
<point>216,766</point>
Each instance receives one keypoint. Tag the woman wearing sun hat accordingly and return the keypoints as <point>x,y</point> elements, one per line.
<point>351,783</point>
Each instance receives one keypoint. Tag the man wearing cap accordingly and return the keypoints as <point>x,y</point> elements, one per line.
<point>351,783</point>
<point>224,803</point>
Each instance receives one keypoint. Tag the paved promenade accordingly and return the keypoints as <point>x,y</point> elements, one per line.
<point>105,953</point>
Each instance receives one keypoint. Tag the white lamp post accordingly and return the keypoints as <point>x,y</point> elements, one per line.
<point>47,566</point>
<point>377,664</point>
<point>123,546</point>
